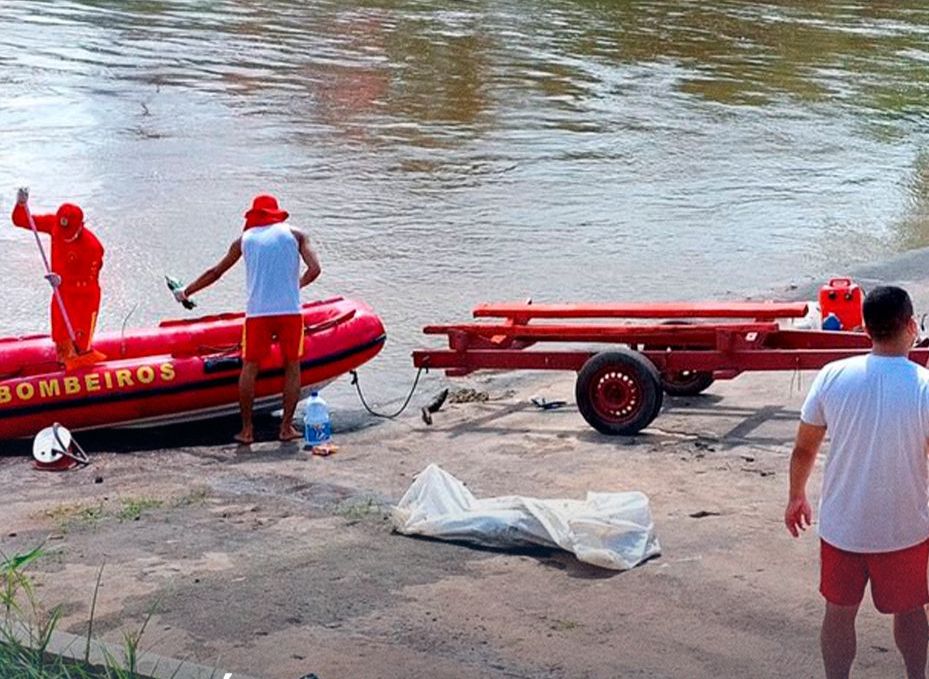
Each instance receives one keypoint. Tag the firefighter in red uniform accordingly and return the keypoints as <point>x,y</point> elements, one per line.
<point>77,258</point>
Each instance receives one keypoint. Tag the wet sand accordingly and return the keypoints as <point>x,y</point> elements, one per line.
<point>279,563</point>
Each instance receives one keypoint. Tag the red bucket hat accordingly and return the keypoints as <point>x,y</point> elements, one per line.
<point>264,211</point>
<point>70,219</point>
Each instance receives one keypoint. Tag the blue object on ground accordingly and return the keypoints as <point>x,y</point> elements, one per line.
<point>832,322</point>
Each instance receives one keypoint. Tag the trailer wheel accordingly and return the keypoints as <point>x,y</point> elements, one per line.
<point>618,392</point>
<point>686,382</point>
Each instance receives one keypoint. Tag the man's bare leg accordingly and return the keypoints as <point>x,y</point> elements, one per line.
<point>838,640</point>
<point>247,401</point>
<point>291,396</point>
<point>911,632</point>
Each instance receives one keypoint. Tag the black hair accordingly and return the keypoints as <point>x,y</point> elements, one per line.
<point>887,310</point>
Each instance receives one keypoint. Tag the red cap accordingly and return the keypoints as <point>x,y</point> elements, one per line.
<point>265,211</point>
<point>70,219</point>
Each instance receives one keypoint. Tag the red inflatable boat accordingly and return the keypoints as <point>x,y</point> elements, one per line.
<point>179,371</point>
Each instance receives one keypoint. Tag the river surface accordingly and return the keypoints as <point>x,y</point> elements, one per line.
<point>441,153</point>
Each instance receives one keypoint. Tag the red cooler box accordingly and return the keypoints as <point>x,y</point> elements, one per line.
<point>842,297</point>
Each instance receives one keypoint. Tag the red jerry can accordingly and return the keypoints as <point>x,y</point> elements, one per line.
<point>842,297</point>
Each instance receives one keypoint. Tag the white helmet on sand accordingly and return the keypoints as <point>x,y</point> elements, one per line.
<point>54,449</point>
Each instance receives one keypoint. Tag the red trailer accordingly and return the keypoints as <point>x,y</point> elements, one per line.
<point>674,348</point>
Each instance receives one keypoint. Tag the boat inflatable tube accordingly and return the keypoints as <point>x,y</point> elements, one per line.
<point>180,371</point>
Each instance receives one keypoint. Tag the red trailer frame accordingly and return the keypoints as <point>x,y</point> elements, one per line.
<point>674,348</point>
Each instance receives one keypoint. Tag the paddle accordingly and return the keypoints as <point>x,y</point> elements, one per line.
<point>80,359</point>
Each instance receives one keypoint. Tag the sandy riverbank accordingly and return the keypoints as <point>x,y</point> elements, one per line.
<point>281,563</point>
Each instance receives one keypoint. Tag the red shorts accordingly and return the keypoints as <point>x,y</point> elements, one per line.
<point>260,333</point>
<point>898,579</point>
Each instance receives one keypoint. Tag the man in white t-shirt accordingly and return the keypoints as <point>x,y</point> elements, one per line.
<point>273,313</point>
<point>874,509</point>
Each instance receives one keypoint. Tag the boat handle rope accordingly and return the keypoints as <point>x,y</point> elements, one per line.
<point>225,351</point>
<point>387,416</point>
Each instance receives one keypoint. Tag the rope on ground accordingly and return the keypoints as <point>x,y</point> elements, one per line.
<point>386,416</point>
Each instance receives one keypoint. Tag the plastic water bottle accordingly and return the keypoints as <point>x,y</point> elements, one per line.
<point>317,428</point>
<point>832,322</point>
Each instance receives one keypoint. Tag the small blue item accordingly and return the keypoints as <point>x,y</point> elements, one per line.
<point>832,322</point>
<point>317,427</point>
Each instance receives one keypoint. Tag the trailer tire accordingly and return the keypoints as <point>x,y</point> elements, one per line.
<point>686,382</point>
<point>618,392</point>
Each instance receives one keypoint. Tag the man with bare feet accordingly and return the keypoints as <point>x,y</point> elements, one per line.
<point>874,507</point>
<point>272,254</point>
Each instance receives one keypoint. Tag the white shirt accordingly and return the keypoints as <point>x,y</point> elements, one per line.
<point>272,271</point>
<point>875,494</point>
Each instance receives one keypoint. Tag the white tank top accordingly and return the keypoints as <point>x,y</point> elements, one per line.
<point>875,495</point>
<point>272,271</point>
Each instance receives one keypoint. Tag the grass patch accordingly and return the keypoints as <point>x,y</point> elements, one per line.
<point>27,628</point>
<point>358,509</point>
<point>66,517</point>
<point>133,507</point>
<point>83,515</point>
<point>197,496</point>
<point>32,648</point>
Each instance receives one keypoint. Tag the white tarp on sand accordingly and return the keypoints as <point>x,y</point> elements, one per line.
<point>610,530</point>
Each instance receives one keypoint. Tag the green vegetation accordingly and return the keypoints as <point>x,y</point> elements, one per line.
<point>132,508</point>
<point>26,630</point>
<point>81,515</point>
<point>195,497</point>
<point>360,508</point>
<point>27,634</point>
<point>68,516</point>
